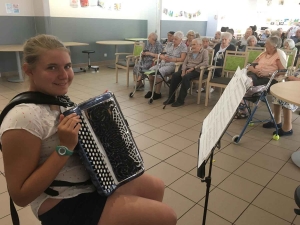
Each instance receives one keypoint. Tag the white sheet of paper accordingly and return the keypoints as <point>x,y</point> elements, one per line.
<point>218,119</point>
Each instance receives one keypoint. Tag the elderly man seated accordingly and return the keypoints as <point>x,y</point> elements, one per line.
<point>175,52</point>
<point>190,69</point>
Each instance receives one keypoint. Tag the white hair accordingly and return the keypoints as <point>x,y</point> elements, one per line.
<point>250,38</point>
<point>154,35</point>
<point>199,41</point>
<point>226,35</point>
<point>179,34</point>
<point>191,32</point>
<point>290,42</point>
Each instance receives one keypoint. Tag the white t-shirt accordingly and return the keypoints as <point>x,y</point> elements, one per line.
<point>42,122</point>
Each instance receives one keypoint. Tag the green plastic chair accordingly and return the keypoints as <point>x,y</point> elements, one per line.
<point>254,52</point>
<point>291,54</point>
<point>232,60</point>
<point>129,61</point>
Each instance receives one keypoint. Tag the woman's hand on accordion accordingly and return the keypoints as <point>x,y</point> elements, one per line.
<point>68,129</point>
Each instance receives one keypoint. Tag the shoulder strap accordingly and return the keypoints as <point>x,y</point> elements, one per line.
<point>35,98</point>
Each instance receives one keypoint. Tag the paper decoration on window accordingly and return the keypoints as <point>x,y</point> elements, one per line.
<point>269,2</point>
<point>74,3</point>
<point>117,6</point>
<point>181,13</point>
<point>101,4</point>
<point>281,2</point>
<point>84,3</point>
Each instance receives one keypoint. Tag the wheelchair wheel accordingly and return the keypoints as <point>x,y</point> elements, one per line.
<point>276,137</point>
<point>150,101</point>
<point>235,139</point>
<point>131,95</point>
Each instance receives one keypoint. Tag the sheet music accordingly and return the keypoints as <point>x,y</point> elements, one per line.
<point>219,117</point>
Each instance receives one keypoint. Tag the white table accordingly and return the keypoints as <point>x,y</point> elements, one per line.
<point>136,39</point>
<point>116,44</point>
<point>19,48</point>
<point>288,92</point>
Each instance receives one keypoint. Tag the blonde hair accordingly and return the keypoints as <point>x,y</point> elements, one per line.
<point>35,46</point>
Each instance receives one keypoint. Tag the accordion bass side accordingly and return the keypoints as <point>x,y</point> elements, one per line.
<point>105,144</point>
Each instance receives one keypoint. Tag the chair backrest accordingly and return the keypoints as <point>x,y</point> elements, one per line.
<point>211,53</point>
<point>254,52</point>
<point>138,48</point>
<point>233,60</point>
<point>291,54</point>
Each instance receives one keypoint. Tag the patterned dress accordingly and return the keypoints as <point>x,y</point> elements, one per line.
<point>147,61</point>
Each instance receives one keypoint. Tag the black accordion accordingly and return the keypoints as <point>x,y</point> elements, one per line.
<point>106,146</point>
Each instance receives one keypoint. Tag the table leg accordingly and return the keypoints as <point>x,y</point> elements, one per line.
<point>75,70</point>
<point>113,65</point>
<point>20,78</point>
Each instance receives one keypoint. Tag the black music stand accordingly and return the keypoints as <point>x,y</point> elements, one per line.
<point>214,128</point>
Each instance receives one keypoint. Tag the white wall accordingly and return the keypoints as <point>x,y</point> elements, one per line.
<point>25,6</point>
<point>41,7</point>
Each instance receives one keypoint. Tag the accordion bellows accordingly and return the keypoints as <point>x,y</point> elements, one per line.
<point>106,146</point>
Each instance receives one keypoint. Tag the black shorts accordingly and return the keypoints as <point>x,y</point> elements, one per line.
<point>84,209</point>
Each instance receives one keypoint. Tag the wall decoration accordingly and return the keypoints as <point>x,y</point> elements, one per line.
<point>74,3</point>
<point>84,3</point>
<point>181,13</point>
<point>281,2</point>
<point>12,8</point>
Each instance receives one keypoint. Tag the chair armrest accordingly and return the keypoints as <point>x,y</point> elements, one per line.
<point>178,63</point>
<point>130,56</point>
<point>215,67</point>
<point>122,53</point>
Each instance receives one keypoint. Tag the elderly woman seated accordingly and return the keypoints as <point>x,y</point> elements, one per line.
<point>265,35</point>
<point>175,52</point>
<point>216,40</point>
<point>152,48</point>
<point>243,40</point>
<point>289,44</point>
<point>269,61</point>
<point>196,58</point>
<point>251,42</point>
<point>190,36</point>
<point>205,43</point>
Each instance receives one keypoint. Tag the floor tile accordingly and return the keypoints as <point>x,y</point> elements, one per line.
<point>185,122</point>
<point>277,152</point>
<point>26,217</point>
<point>240,187</point>
<point>149,160</point>
<point>225,205</point>
<point>255,174</point>
<point>262,136</point>
<point>141,117</point>
<point>161,151</point>
<point>170,117</point>
<point>195,216</point>
<point>157,122</point>
<point>290,170</point>
<point>227,162</point>
<point>190,187</point>
<point>173,128</point>
<point>155,111</point>
<point>144,142</point>
<point>3,185</point>
<point>129,111</point>
<point>182,161</point>
<point>190,135</point>
<point>266,162</point>
<point>131,121</point>
<point>257,216</point>
<point>217,175</point>
<point>251,143</point>
<point>179,203</point>
<point>285,143</point>
<point>1,166</point>
<point>283,185</point>
<point>273,202</point>
<point>4,206</point>
<point>141,128</point>
<point>238,152</point>
<point>192,150</point>
<point>178,142</point>
<point>158,135</point>
<point>166,172</point>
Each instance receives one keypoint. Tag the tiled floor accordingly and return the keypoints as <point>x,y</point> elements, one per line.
<point>252,183</point>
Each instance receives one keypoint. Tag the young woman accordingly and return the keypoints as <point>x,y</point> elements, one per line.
<point>30,135</point>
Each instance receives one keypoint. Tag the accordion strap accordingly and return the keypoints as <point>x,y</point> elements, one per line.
<point>35,98</point>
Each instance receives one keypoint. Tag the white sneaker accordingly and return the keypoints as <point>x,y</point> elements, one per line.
<point>212,90</point>
<point>202,89</point>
